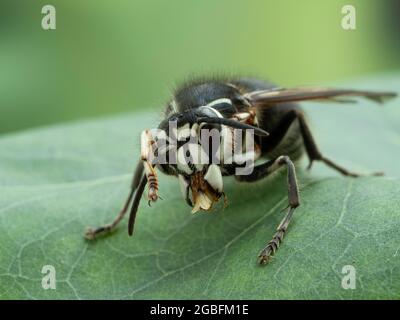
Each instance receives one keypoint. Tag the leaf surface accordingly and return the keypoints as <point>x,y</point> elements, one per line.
<point>57,180</point>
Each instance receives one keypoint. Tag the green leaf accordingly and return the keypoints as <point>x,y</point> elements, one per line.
<point>57,180</point>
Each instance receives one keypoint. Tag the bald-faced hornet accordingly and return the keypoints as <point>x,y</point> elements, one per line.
<point>234,109</point>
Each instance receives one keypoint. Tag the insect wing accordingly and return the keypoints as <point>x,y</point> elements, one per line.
<point>265,97</point>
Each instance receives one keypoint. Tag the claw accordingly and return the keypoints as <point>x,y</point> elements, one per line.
<point>90,233</point>
<point>264,259</point>
<point>265,255</point>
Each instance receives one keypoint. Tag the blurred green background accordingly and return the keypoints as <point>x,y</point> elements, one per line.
<point>113,56</point>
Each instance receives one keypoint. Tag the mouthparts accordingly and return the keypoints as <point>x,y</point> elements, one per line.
<point>203,195</point>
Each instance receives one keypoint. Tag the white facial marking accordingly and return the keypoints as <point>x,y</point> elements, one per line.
<point>194,130</point>
<point>218,101</point>
<point>194,154</point>
<point>183,132</point>
<point>217,113</point>
<point>181,161</point>
<point>199,156</point>
<point>214,177</point>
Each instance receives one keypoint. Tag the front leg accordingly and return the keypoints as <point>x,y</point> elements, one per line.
<point>262,171</point>
<point>145,164</point>
<point>311,147</point>
<point>92,233</point>
<point>147,156</point>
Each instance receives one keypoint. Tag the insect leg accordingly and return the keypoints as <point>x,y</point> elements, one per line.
<point>311,148</point>
<point>91,233</point>
<point>262,171</point>
<point>314,153</point>
<point>147,154</point>
<point>135,204</point>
